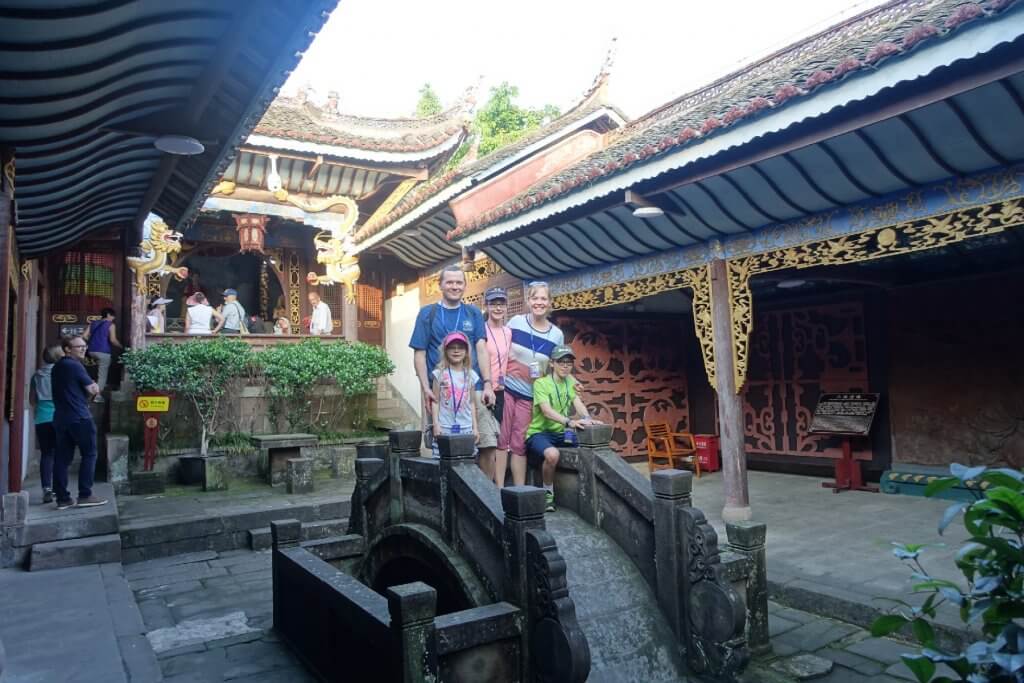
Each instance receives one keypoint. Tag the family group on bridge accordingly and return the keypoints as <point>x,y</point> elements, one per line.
<point>509,383</point>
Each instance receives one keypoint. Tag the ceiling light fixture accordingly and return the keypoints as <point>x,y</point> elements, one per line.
<point>182,145</point>
<point>642,206</point>
<point>790,284</point>
<point>647,212</point>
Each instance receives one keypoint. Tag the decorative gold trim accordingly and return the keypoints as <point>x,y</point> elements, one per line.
<point>9,175</point>
<point>264,288</point>
<point>699,282</point>
<point>901,238</point>
<point>318,205</point>
<point>26,270</point>
<point>294,285</point>
<point>154,284</point>
<point>392,200</point>
<point>224,187</point>
<point>64,318</point>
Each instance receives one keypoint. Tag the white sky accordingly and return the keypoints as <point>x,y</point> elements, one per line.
<point>377,53</point>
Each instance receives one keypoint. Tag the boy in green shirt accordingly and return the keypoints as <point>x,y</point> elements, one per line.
<point>551,428</point>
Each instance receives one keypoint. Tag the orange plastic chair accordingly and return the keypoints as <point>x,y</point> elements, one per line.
<point>665,448</point>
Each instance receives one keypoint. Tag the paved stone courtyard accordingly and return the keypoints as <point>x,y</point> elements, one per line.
<point>209,617</point>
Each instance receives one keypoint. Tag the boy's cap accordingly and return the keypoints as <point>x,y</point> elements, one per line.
<point>561,351</point>
<point>455,337</point>
<point>495,293</point>
<point>161,300</point>
<point>230,292</point>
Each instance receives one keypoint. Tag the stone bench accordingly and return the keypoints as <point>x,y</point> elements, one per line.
<point>276,449</point>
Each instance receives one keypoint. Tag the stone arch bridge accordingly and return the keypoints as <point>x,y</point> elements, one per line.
<point>443,577</point>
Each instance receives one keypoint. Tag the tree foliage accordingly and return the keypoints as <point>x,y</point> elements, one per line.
<point>501,121</point>
<point>201,370</point>
<point>992,562</point>
<point>292,370</point>
<point>429,103</point>
<point>198,370</point>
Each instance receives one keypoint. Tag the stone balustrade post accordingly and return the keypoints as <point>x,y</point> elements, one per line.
<point>359,516</point>
<point>672,490</point>
<point>591,439</point>
<point>401,444</point>
<point>524,511</point>
<point>413,607</point>
<point>748,538</point>
<point>455,450</point>
<point>285,533</point>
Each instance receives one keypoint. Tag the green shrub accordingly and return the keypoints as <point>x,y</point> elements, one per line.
<point>292,370</point>
<point>198,371</point>
<point>992,563</point>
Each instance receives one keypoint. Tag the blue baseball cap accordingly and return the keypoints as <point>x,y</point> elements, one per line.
<point>230,292</point>
<point>495,293</point>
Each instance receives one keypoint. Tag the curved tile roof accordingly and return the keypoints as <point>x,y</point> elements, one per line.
<point>86,87</point>
<point>863,42</point>
<point>298,119</point>
<point>592,100</point>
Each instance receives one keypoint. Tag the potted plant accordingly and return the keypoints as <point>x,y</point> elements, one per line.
<point>197,371</point>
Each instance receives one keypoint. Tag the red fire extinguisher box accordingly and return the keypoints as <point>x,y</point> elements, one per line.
<point>707,452</point>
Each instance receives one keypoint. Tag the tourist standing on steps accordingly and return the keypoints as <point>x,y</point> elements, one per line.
<point>551,427</point>
<point>494,461</point>
<point>454,411</point>
<point>72,389</point>
<point>435,322</point>
<point>233,312</point>
<point>199,315</point>
<point>41,396</point>
<point>534,337</point>
<point>102,339</point>
<point>320,322</point>
<point>156,318</point>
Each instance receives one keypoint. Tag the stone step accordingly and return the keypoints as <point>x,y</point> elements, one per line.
<point>75,552</point>
<point>46,523</point>
<point>387,404</point>
<point>260,539</point>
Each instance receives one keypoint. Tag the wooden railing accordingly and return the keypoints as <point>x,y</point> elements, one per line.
<point>257,341</point>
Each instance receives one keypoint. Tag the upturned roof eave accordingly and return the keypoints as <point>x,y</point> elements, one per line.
<point>972,41</point>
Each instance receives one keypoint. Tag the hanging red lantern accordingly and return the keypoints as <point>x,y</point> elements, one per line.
<point>252,229</point>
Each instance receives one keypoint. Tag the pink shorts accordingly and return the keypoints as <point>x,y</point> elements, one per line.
<point>514,421</point>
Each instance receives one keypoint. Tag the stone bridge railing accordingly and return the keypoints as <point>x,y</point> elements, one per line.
<point>498,579</point>
<point>715,600</point>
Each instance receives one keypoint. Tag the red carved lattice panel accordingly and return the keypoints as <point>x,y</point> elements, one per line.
<point>795,356</point>
<point>631,372</point>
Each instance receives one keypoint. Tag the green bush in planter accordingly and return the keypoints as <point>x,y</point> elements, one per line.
<point>197,371</point>
<point>992,562</point>
<point>292,370</point>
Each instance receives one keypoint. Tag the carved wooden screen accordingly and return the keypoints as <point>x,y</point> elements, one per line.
<point>631,371</point>
<point>334,296</point>
<point>796,355</point>
<point>371,313</point>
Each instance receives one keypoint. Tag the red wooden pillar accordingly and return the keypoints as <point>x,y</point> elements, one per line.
<point>730,403</point>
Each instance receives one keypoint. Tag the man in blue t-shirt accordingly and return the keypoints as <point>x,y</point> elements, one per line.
<point>72,390</point>
<point>437,321</point>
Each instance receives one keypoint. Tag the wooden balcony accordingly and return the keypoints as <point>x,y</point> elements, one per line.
<point>256,341</point>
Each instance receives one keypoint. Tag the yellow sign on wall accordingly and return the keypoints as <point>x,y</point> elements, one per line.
<point>153,404</point>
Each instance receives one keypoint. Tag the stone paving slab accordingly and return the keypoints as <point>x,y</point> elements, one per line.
<point>73,624</point>
<point>212,621</point>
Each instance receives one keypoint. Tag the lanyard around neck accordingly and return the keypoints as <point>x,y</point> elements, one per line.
<point>444,323</point>
<point>539,333</point>
<point>456,404</point>
<point>564,405</point>
<point>506,335</point>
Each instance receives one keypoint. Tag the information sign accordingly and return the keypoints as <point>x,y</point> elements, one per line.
<point>849,414</point>
<point>153,404</point>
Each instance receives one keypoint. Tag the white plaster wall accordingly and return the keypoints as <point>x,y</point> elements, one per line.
<point>400,317</point>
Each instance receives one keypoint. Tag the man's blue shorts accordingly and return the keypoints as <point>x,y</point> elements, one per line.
<point>536,445</point>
